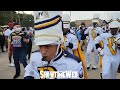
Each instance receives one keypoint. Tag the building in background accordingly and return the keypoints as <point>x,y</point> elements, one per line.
<point>87,22</point>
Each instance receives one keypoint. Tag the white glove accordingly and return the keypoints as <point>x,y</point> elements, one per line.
<point>87,37</point>
<point>66,43</point>
<point>99,49</point>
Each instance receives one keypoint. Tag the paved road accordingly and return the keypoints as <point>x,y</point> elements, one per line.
<point>7,72</point>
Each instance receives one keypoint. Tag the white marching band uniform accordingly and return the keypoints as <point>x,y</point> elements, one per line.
<point>70,38</point>
<point>52,33</point>
<point>111,53</point>
<point>92,34</point>
<point>63,62</point>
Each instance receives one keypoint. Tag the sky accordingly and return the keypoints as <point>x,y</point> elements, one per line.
<point>83,15</point>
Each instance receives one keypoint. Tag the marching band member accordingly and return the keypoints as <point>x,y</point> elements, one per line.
<point>50,56</point>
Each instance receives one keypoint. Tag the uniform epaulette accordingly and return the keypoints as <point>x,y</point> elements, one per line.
<point>68,54</point>
<point>36,51</point>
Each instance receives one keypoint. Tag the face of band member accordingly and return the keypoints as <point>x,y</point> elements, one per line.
<point>82,24</point>
<point>114,31</point>
<point>94,24</point>
<point>104,23</point>
<point>48,51</point>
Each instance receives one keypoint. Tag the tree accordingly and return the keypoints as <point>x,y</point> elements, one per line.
<point>23,19</point>
<point>72,24</point>
<point>27,20</point>
<point>6,16</point>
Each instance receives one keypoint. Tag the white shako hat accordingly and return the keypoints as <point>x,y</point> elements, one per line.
<point>95,18</point>
<point>113,20</point>
<point>48,27</point>
<point>114,23</point>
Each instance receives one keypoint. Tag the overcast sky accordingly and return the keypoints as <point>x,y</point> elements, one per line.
<point>82,15</point>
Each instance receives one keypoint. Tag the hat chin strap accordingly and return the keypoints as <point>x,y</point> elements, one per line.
<point>57,48</point>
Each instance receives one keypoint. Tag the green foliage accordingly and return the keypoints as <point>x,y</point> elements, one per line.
<point>0,29</point>
<point>23,19</point>
<point>72,24</point>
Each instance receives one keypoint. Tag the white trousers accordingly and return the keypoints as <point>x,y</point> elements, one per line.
<point>90,47</point>
<point>110,66</point>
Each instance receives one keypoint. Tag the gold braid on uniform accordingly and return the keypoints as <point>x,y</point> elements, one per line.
<point>110,21</point>
<point>118,20</point>
<point>113,20</point>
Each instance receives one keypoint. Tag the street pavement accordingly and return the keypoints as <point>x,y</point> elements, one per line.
<point>7,72</point>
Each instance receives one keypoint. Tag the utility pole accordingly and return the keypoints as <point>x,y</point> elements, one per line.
<point>70,19</point>
<point>19,17</point>
<point>5,18</point>
<point>11,16</point>
<point>70,16</point>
